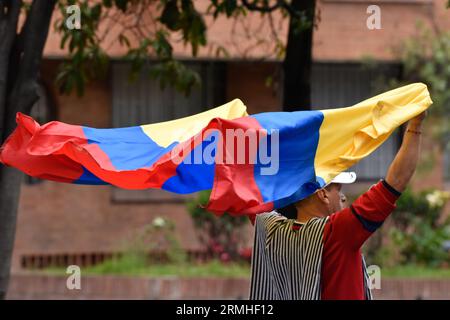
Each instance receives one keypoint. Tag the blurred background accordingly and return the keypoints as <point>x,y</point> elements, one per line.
<point>150,244</point>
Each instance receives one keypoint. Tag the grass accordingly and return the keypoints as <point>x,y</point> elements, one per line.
<point>131,264</point>
<point>210,269</point>
<point>137,266</point>
<point>414,271</point>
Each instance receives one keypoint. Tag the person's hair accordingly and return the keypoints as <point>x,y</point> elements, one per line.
<point>290,211</point>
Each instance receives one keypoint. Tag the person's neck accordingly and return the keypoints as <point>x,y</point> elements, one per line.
<point>302,218</point>
<point>307,212</point>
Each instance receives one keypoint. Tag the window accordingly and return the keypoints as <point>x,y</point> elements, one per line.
<point>143,102</point>
<point>336,85</point>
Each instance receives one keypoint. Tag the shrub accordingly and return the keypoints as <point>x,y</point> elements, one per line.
<point>154,244</point>
<point>223,236</point>
<point>416,235</point>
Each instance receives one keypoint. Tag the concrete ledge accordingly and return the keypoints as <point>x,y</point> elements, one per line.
<point>36,286</point>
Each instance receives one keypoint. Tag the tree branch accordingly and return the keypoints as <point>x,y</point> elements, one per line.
<point>34,35</point>
<point>254,7</point>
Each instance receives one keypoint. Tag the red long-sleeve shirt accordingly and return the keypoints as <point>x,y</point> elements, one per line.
<point>345,233</point>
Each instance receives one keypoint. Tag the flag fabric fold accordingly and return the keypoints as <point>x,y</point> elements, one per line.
<point>251,163</point>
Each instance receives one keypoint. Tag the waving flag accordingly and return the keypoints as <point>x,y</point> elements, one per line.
<point>252,163</point>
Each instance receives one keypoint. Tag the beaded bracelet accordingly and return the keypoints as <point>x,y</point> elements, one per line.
<point>412,131</point>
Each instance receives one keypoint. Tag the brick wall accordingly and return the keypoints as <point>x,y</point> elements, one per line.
<point>32,286</point>
<point>341,32</point>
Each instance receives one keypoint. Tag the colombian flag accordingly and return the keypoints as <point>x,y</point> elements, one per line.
<point>252,163</point>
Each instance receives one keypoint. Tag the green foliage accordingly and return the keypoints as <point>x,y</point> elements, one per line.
<point>176,74</point>
<point>222,235</point>
<point>299,19</point>
<point>168,71</point>
<point>155,243</point>
<point>426,58</point>
<point>87,59</point>
<point>182,16</point>
<point>417,236</point>
<point>129,265</point>
<point>414,271</point>
<point>167,258</point>
<point>228,7</point>
<point>236,270</point>
<point>423,243</point>
<point>417,206</point>
<point>160,237</point>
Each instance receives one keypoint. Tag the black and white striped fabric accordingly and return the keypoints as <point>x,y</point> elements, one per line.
<point>367,282</point>
<point>286,263</point>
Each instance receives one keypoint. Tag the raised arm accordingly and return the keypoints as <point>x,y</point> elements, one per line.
<point>404,164</point>
<point>353,226</point>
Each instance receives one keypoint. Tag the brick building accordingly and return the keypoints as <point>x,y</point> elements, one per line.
<point>64,222</point>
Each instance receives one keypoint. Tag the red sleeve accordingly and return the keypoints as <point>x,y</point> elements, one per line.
<point>353,226</point>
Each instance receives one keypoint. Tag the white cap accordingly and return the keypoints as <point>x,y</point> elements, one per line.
<point>344,177</point>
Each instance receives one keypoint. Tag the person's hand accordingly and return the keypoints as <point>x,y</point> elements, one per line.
<point>417,120</point>
<point>415,123</point>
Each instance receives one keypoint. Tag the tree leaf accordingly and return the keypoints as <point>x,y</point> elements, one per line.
<point>122,4</point>
<point>170,15</point>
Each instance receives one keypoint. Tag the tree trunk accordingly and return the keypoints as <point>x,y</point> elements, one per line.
<point>9,15</point>
<point>9,179</point>
<point>21,62</point>
<point>9,197</point>
<point>298,61</point>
